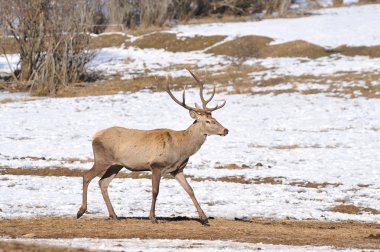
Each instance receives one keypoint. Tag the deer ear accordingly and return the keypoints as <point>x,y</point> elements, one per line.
<point>193,114</point>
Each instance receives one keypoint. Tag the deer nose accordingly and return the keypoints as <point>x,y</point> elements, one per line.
<point>225,132</point>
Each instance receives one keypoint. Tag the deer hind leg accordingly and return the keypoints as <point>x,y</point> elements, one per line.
<point>156,177</point>
<point>180,177</point>
<point>104,183</point>
<point>96,169</point>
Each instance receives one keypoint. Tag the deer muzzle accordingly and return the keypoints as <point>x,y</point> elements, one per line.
<point>225,132</point>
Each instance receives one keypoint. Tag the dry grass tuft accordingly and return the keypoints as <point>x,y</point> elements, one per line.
<point>106,41</point>
<point>352,209</point>
<point>297,48</point>
<point>313,184</point>
<point>170,42</point>
<point>243,47</point>
<point>20,246</point>
<point>371,51</point>
<point>258,46</point>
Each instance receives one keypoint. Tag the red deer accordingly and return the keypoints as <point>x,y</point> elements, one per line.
<point>160,151</point>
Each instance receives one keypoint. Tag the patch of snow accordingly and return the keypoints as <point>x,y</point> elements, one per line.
<point>158,245</point>
<point>132,62</point>
<point>332,65</point>
<point>4,66</point>
<point>310,138</point>
<point>30,196</point>
<point>333,27</point>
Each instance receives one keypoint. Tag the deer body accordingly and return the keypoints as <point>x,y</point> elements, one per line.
<point>160,151</point>
<point>167,149</point>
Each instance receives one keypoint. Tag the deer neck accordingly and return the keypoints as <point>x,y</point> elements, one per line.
<point>193,139</point>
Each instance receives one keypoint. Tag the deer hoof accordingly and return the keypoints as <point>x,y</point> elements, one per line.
<point>204,221</point>
<point>114,217</point>
<point>80,213</point>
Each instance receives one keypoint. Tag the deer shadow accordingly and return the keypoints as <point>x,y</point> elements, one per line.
<point>168,219</point>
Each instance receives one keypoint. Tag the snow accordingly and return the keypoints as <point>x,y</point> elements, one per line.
<point>4,66</point>
<point>132,62</point>
<point>298,138</point>
<point>330,140</point>
<point>332,27</point>
<point>158,245</point>
<point>31,196</point>
<point>324,66</point>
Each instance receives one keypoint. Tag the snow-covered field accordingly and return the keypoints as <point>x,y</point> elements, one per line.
<point>298,138</point>
<point>333,27</point>
<point>277,145</point>
<point>158,245</point>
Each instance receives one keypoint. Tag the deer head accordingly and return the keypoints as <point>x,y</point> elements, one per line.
<point>202,115</point>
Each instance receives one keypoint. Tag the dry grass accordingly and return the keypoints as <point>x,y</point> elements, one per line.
<point>297,48</point>
<point>9,44</point>
<point>116,85</point>
<point>352,209</point>
<point>243,47</point>
<point>314,184</point>
<point>15,246</point>
<point>10,100</point>
<point>170,42</point>
<point>107,41</point>
<point>66,172</point>
<point>371,51</point>
<point>237,77</point>
<point>258,46</point>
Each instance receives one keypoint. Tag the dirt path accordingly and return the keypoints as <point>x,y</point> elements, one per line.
<point>11,246</point>
<point>338,234</point>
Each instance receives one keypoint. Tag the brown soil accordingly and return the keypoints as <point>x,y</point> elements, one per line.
<point>258,46</point>
<point>371,51</point>
<point>243,47</point>
<point>170,42</point>
<point>8,246</point>
<point>337,234</point>
<point>65,172</point>
<point>107,41</point>
<point>313,184</point>
<point>352,209</point>
<point>297,48</point>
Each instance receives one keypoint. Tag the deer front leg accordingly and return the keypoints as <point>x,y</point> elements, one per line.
<point>156,177</point>
<point>180,177</point>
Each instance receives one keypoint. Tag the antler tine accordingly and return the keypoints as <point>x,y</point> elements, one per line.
<point>216,107</point>
<point>212,95</point>
<point>183,104</point>
<point>201,83</point>
<point>205,102</point>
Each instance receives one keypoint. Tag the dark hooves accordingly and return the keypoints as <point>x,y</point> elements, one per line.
<point>79,214</point>
<point>204,221</point>
<point>114,218</point>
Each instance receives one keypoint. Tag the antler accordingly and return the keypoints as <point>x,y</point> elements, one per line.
<point>183,104</point>
<point>205,102</point>
<point>197,108</point>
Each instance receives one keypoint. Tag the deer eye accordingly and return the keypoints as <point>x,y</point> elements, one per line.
<point>208,122</point>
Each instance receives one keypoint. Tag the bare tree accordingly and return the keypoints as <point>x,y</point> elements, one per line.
<point>52,38</point>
